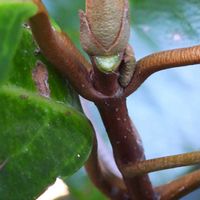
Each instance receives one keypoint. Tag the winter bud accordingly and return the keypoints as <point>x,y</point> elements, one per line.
<point>105,27</point>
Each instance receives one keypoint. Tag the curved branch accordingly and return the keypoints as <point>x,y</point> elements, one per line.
<point>111,185</point>
<point>180,187</point>
<point>61,52</point>
<point>160,61</point>
<point>167,162</point>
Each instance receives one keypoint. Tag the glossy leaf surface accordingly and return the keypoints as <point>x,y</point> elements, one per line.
<point>41,137</point>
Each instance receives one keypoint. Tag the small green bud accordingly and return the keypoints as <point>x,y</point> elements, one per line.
<point>107,64</point>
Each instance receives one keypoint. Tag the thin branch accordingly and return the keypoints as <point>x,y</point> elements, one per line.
<point>61,52</point>
<point>180,187</point>
<point>111,185</point>
<point>160,61</point>
<point>157,164</point>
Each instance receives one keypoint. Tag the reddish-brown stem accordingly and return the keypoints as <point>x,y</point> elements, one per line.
<point>126,144</point>
<point>157,164</point>
<point>111,185</point>
<point>160,61</point>
<point>61,52</point>
<point>180,187</point>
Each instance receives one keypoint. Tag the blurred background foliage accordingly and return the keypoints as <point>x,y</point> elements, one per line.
<point>165,108</point>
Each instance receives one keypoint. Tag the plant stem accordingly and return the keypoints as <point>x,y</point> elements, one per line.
<point>180,187</point>
<point>104,180</point>
<point>125,141</point>
<point>160,61</point>
<point>167,162</point>
<point>62,53</point>
<point>126,144</point>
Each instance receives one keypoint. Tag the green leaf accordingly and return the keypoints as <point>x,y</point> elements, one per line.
<point>166,24</point>
<point>41,137</point>
<point>12,14</point>
<point>65,13</point>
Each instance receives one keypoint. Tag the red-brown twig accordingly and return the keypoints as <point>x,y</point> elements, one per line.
<point>167,162</point>
<point>180,187</point>
<point>61,52</point>
<point>111,185</point>
<point>126,144</point>
<point>160,61</point>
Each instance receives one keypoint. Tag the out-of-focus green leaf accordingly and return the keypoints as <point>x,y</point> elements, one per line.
<point>161,25</point>
<point>166,24</point>
<point>40,137</point>
<point>65,12</point>
<point>12,14</point>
